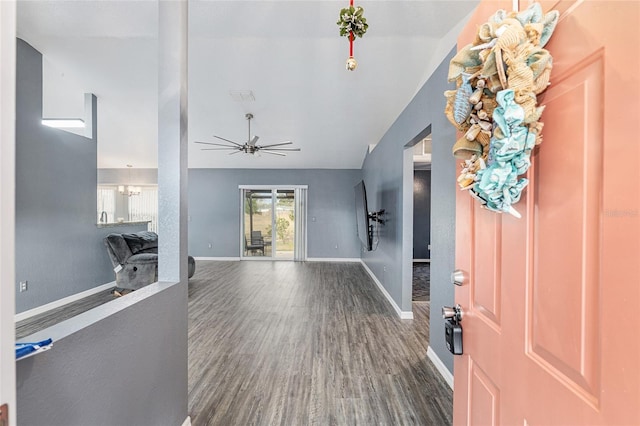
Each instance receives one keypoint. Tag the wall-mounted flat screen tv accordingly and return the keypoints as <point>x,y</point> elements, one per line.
<point>362,216</point>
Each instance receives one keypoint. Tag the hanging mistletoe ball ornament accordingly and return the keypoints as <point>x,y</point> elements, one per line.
<point>351,63</point>
<point>352,24</point>
<point>352,21</point>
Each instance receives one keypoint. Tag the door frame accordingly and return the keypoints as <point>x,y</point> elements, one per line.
<point>7,205</point>
<point>297,229</point>
<point>407,220</point>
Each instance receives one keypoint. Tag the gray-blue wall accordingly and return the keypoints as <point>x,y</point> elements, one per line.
<point>214,209</point>
<point>421,213</point>
<point>443,238</point>
<point>59,249</point>
<point>122,363</point>
<point>131,176</point>
<point>383,172</point>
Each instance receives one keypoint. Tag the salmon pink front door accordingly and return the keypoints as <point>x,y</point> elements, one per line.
<point>551,326</point>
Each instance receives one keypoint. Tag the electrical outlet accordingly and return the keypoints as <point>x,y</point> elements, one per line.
<point>24,286</point>
<point>384,269</point>
<point>210,245</point>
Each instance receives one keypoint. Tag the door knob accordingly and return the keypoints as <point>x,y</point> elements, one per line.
<point>458,277</point>
<point>454,313</point>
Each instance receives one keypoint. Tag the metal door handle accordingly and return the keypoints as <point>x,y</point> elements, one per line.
<point>455,313</point>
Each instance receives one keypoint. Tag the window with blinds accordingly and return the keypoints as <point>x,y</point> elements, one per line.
<point>145,207</point>
<point>106,203</point>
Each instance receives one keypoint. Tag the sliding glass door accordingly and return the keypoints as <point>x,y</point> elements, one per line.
<point>258,222</point>
<point>272,219</point>
<point>285,224</point>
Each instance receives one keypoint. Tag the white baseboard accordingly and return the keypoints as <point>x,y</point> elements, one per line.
<point>442,369</point>
<point>265,259</point>
<point>228,259</point>
<point>333,259</point>
<point>187,421</point>
<point>61,302</point>
<point>309,259</point>
<point>402,314</point>
<point>421,260</point>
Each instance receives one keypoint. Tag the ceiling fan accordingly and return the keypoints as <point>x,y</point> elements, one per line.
<point>249,147</point>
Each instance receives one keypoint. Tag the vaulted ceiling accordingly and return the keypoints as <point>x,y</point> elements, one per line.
<point>287,53</point>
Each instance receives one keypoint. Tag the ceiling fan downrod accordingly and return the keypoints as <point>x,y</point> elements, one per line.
<point>249,116</point>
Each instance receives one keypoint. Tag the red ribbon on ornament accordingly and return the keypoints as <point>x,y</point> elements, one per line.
<point>351,44</point>
<point>351,36</point>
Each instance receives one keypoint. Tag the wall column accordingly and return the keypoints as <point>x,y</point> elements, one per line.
<point>172,166</point>
<point>172,140</point>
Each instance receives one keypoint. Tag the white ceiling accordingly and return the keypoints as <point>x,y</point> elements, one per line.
<point>287,52</point>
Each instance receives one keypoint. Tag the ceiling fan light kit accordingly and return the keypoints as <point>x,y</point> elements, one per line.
<point>249,147</point>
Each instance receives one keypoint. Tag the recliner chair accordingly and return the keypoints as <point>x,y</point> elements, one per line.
<point>135,259</point>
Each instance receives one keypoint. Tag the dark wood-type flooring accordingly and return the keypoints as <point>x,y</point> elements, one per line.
<point>284,343</point>
<point>39,322</point>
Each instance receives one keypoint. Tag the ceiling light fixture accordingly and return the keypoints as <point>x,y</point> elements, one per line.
<point>129,190</point>
<point>64,123</point>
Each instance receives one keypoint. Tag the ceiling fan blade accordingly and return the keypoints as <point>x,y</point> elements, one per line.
<point>231,148</point>
<point>227,140</point>
<point>253,141</point>
<point>272,153</point>
<point>281,149</point>
<point>217,144</point>
<point>276,144</point>
<point>237,152</point>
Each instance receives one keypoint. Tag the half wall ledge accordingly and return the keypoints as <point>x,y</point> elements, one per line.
<point>115,224</point>
<point>68,327</point>
<point>108,357</point>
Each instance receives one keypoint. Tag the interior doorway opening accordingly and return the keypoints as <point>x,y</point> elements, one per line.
<point>417,150</point>
<point>421,266</point>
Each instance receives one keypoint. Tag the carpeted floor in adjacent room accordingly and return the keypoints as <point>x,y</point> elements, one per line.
<point>421,282</point>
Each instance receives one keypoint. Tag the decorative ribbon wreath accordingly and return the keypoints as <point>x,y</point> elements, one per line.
<point>498,78</point>
<point>352,24</point>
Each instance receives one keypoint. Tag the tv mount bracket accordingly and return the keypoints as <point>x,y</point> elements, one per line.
<point>378,216</point>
